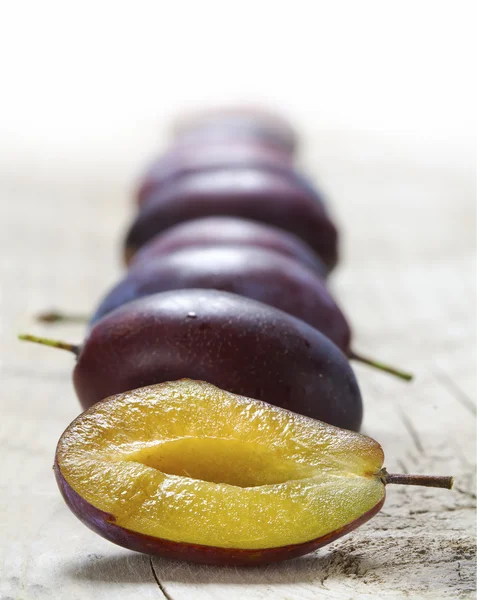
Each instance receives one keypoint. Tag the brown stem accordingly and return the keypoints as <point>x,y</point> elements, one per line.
<point>55,316</point>
<point>75,348</point>
<point>437,481</point>
<point>381,366</point>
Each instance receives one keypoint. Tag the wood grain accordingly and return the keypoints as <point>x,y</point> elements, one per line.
<point>407,282</point>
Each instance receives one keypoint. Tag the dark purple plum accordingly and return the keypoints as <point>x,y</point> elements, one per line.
<point>228,231</point>
<point>182,160</point>
<point>259,274</point>
<point>235,343</point>
<point>265,197</point>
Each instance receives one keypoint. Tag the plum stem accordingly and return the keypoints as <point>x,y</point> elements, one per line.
<point>56,316</point>
<point>75,348</point>
<point>437,481</point>
<point>381,366</point>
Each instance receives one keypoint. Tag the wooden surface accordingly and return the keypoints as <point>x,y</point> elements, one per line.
<point>407,283</point>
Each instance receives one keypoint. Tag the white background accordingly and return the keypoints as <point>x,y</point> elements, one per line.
<point>97,82</point>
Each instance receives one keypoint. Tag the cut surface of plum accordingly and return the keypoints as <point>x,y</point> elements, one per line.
<point>189,463</point>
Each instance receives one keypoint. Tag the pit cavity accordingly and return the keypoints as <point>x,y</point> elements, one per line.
<point>238,463</point>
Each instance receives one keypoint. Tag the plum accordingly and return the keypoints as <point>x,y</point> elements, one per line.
<point>188,471</point>
<point>260,274</point>
<point>266,197</point>
<point>238,344</point>
<point>256,273</point>
<point>181,160</point>
<point>228,231</point>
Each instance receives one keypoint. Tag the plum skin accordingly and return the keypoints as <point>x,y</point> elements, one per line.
<point>183,161</point>
<point>251,194</point>
<point>103,524</point>
<point>235,343</point>
<point>180,161</point>
<point>259,274</point>
<point>228,231</point>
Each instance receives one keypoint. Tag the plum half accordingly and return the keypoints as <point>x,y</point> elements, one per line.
<point>238,344</point>
<point>185,470</point>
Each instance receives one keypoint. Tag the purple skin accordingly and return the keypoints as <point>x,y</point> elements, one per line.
<point>261,196</point>
<point>258,274</point>
<point>235,343</point>
<point>228,231</point>
<point>182,160</point>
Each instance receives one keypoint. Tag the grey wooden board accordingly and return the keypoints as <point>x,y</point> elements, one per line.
<point>407,282</point>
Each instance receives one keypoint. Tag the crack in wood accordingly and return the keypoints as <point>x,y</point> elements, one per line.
<point>156,578</point>
<point>465,493</point>
<point>455,391</point>
<point>402,466</point>
<point>465,461</point>
<point>412,432</point>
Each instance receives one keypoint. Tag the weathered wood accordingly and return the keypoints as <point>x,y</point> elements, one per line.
<point>407,282</point>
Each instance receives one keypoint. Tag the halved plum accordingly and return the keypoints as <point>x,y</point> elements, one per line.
<point>186,470</point>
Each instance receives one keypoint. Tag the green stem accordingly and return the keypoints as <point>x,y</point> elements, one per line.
<point>75,348</point>
<point>381,366</point>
